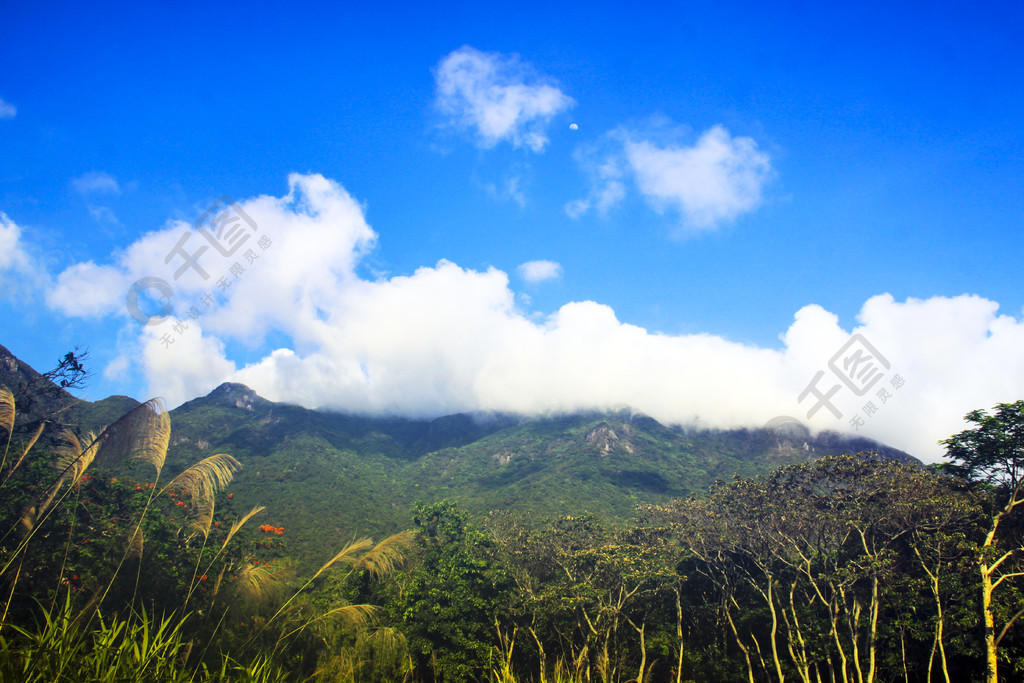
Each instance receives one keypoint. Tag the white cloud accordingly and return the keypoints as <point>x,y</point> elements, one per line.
<point>117,368</point>
<point>19,274</point>
<point>103,214</point>
<point>539,271</point>
<point>714,181</point>
<point>193,365</point>
<point>709,183</point>
<point>12,255</point>
<point>96,182</point>
<point>445,339</point>
<point>7,110</point>
<point>498,97</point>
<point>602,198</point>
<point>87,290</point>
<point>511,189</point>
<point>606,181</point>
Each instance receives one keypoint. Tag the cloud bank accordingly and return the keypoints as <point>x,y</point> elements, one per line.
<point>497,97</point>
<point>445,338</point>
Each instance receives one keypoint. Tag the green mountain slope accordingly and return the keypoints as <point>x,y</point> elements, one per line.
<point>328,477</point>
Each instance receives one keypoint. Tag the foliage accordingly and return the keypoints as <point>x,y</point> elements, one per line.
<point>453,596</point>
<point>68,647</point>
<point>811,564</point>
<point>851,567</point>
<point>991,454</point>
<point>992,451</point>
<point>126,579</point>
<point>333,474</point>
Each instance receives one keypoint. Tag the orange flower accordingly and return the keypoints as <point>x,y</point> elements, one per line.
<point>231,495</point>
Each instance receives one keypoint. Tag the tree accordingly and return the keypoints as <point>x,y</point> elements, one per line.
<point>812,561</point>
<point>590,594</point>
<point>45,397</point>
<point>454,595</point>
<point>991,455</point>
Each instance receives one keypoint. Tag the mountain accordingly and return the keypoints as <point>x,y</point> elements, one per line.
<point>39,397</point>
<point>327,477</point>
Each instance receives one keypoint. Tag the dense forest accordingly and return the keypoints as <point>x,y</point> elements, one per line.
<point>852,567</point>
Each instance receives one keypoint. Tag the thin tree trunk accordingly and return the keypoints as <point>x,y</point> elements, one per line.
<point>873,637</point>
<point>743,648</point>
<point>775,631</point>
<point>940,629</point>
<point>903,654</point>
<point>991,661</point>
<point>679,635</point>
<point>839,646</point>
<point>939,640</point>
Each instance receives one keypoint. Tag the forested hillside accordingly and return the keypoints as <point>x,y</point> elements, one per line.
<point>578,548</point>
<point>332,475</point>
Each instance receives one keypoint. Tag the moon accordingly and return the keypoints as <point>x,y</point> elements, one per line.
<point>573,126</point>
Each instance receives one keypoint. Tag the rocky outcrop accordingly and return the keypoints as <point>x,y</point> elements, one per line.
<point>606,439</point>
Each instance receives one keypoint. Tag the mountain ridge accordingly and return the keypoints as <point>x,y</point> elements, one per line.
<point>329,476</point>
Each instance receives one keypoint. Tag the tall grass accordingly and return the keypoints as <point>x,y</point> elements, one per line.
<point>82,613</point>
<point>67,647</point>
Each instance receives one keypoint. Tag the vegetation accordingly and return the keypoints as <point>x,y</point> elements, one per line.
<point>110,575</point>
<point>332,475</point>
<point>991,456</point>
<point>851,567</point>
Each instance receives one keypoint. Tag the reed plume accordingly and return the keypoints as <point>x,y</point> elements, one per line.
<point>348,555</point>
<point>201,517</point>
<point>240,523</point>
<point>17,463</point>
<point>74,458</point>
<point>207,477</point>
<point>142,434</point>
<point>136,543</point>
<point>259,585</point>
<point>383,558</point>
<point>6,410</point>
<point>72,461</point>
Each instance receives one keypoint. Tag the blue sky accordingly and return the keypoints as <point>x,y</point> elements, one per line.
<point>682,209</point>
